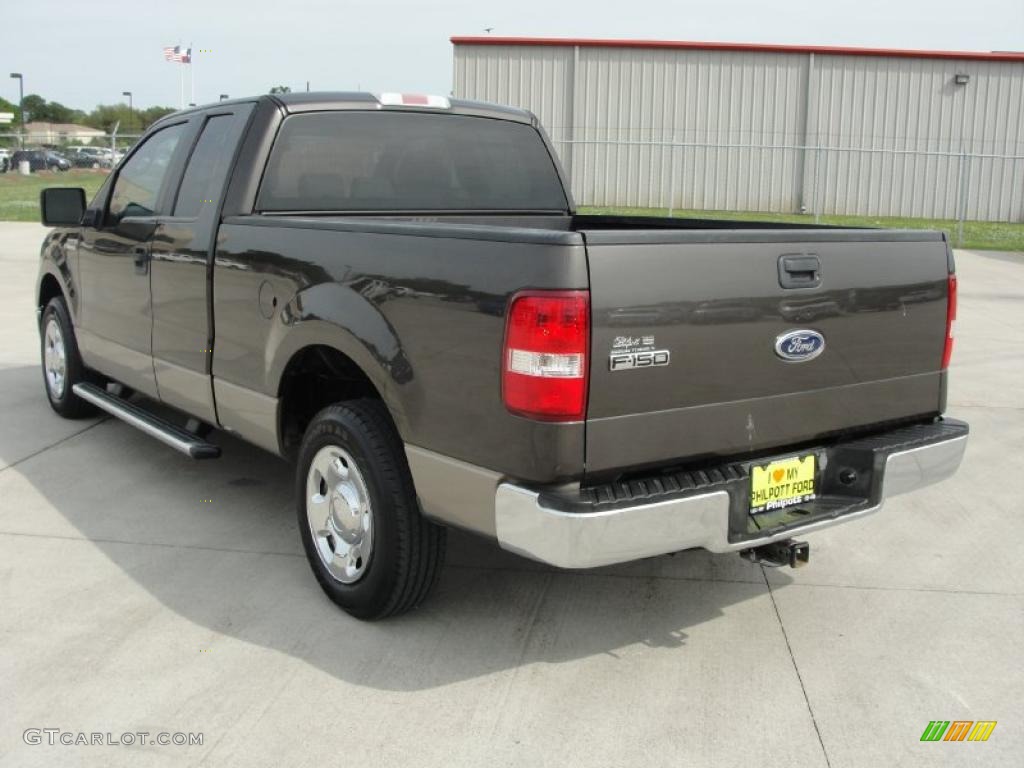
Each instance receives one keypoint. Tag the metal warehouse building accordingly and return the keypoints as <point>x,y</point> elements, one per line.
<point>720,126</point>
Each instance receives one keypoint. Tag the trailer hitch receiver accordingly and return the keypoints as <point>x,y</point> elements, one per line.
<point>795,554</point>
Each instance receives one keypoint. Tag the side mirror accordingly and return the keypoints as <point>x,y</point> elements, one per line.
<point>62,206</point>
<point>93,218</point>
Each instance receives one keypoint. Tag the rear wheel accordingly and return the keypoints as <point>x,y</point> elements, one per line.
<point>62,365</point>
<point>371,550</point>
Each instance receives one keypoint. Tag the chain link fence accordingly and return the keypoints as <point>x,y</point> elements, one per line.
<point>791,178</point>
<point>112,146</point>
<point>748,177</point>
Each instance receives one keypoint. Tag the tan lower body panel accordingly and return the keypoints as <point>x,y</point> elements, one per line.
<point>128,366</point>
<point>251,415</point>
<point>454,492</point>
<point>187,390</point>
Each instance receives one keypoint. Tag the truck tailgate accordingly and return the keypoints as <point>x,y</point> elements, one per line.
<point>716,303</point>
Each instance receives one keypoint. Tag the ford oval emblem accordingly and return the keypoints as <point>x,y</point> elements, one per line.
<point>799,346</point>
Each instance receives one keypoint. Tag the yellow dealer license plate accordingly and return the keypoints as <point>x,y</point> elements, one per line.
<point>782,483</point>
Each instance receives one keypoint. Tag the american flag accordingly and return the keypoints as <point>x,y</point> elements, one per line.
<point>178,54</point>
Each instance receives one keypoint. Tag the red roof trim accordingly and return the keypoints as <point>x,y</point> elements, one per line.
<point>746,47</point>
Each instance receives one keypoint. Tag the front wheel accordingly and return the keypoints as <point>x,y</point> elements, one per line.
<point>371,550</point>
<point>62,364</point>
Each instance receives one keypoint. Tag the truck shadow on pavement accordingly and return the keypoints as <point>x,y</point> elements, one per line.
<point>216,542</point>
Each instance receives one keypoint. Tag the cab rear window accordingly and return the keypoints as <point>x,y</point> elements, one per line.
<point>405,161</point>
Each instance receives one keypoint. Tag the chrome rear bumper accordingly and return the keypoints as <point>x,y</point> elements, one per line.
<point>579,535</point>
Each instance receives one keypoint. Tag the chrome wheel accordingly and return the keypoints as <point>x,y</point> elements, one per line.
<point>339,514</point>
<point>54,359</point>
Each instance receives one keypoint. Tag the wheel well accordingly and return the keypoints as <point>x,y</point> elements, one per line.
<point>49,289</point>
<point>314,378</point>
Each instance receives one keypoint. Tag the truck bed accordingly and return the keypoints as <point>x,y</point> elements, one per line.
<point>709,292</point>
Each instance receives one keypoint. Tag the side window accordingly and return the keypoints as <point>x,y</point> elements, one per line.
<point>138,184</point>
<point>207,167</point>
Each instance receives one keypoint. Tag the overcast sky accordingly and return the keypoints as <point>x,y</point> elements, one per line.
<point>84,53</point>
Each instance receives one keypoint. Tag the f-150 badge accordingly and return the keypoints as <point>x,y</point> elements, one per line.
<point>636,352</point>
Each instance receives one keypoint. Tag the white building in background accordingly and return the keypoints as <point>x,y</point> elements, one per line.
<point>61,133</point>
<point>720,126</point>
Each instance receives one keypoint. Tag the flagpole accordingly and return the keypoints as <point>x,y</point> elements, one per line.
<point>191,76</point>
<point>181,80</point>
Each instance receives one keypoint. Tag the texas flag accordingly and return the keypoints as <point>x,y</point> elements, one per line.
<point>178,53</point>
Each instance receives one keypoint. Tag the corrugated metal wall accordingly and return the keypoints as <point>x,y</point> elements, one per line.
<point>767,131</point>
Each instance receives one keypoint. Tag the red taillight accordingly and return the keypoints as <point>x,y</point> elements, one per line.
<point>544,363</point>
<point>950,322</point>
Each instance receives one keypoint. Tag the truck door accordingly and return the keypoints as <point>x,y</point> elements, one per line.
<point>182,253</point>
<point>116,319</point>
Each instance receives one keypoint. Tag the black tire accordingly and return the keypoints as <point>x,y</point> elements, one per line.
<point>407,549</point>
<point>64,401</point>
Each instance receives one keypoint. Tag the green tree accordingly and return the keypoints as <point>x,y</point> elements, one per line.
<point>34,105</point>
<point>11,127</point>
<point>39,109</point>
<point>6,106</point>
<point>149,116</point>
<point>280,89</point>
<point>106,116</point>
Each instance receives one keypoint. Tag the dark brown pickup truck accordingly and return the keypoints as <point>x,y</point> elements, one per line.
<point>397,294</point>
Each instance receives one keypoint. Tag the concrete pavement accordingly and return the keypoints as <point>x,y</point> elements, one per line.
<point>128,603</point>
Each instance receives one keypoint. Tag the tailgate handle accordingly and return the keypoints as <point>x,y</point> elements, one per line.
<point>799,271</point>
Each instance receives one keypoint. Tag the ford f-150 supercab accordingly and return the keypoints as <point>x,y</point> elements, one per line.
<point>397,294</point>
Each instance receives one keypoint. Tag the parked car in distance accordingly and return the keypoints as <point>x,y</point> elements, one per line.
<point>56,161</point>
<point>89,157</point>
<point>40,160</point>
<point>107,158</point>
